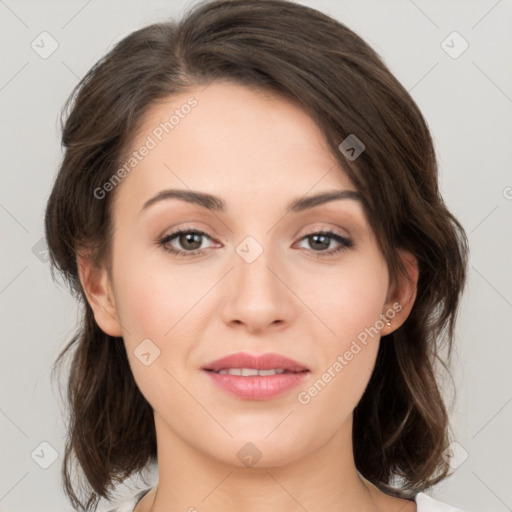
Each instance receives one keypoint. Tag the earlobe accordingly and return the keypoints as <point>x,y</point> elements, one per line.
<point>400,304</point>
<point>98,291</point>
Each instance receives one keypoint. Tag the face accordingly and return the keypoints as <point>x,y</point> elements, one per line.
<point>253,276</point>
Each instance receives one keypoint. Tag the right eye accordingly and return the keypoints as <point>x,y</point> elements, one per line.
<point>189,239</point>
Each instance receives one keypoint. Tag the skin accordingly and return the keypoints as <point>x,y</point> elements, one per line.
<point>257,152</point>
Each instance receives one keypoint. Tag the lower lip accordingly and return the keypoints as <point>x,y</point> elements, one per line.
<point>256,387</point>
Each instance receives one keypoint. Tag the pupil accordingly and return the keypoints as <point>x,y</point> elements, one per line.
<point>188,238</point>
<point>324,244</point>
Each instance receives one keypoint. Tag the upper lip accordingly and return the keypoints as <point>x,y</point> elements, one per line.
<point>266,361</point>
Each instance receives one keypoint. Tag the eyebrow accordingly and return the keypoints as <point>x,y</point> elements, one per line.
<point>216,204</point>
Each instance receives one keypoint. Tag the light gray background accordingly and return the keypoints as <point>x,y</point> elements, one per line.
<point>467,102</point>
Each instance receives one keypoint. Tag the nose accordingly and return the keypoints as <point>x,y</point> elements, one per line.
<point>258,297</point>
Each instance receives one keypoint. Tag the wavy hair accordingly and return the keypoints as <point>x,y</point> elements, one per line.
<point>401,422</point>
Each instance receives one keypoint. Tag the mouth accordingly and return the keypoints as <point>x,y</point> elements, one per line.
<point>254,372</point>
<point>256,377</point>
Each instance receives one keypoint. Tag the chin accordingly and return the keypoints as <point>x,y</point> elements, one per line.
<point>257,449</point>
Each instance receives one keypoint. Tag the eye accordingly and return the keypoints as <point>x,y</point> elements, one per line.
<point>322,240</point>
<point>190,239</point>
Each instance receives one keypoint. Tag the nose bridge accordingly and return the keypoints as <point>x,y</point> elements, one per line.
<point>256,296</point>
<point>252,273</point>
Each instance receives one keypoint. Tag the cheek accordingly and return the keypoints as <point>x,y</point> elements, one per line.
<point>160,303</point>
<point>146,307</point>
<point>155,308</point>
<point>346,300</point>
<point>156,297</point>
<point>348,349</point>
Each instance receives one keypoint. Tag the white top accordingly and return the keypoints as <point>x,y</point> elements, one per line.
<point>424,503</point>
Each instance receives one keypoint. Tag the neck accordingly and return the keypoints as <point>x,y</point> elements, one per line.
<point>325,479</point>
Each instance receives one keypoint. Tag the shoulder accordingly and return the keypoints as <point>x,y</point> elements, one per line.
<point>128,504</point>
<point>425,503</point>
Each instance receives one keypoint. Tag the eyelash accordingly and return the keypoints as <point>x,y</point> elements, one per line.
<point>163,242</point>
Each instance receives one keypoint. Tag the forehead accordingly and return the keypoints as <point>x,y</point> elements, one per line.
<point>232,141</point>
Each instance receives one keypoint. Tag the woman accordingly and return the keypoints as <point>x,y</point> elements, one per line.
<point>248,208</point>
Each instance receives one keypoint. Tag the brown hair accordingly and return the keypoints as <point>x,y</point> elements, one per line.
<point>401,423</point>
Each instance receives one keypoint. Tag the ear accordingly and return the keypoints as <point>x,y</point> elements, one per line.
<point>402,297</point>
<point>99,293</point>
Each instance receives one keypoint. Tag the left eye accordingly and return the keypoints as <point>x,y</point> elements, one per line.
<point>322,240</point>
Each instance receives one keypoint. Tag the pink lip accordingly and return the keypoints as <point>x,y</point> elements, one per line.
<point>266,361</point>
<point>256,387</point>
